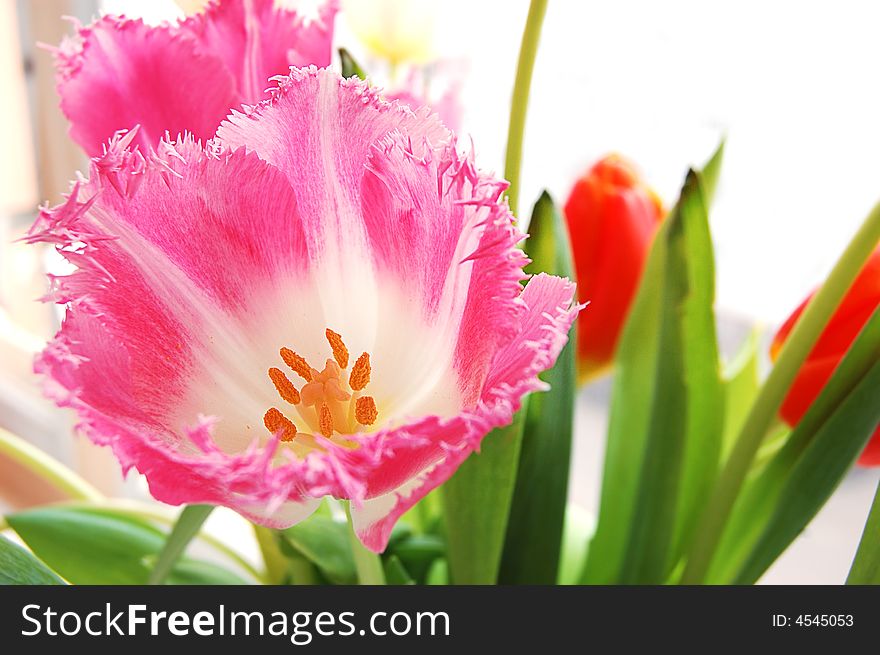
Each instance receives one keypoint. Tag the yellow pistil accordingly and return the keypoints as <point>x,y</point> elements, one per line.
<point>328,404</point>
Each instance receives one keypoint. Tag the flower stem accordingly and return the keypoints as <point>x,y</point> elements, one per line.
<point>795,351</point>
<point>368,564</point>
<point>520,103</point>
<point>273,559</point>
<point>45,467</point>
<point>185,529</point>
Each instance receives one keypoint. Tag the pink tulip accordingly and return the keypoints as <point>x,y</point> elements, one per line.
<point>324,300</point>
<point>119,73</point>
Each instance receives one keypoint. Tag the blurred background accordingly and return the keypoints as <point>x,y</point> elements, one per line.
<point>788,83</point>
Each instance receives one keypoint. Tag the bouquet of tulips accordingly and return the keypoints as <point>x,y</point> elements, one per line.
<point>296,295</point>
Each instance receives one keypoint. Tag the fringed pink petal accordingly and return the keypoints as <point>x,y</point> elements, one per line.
<point>258,39</point>
<point>438,224</point>
<point>167,254</point>
<point>117,73</point>
<point>319,130</point>
<point>549,313</point>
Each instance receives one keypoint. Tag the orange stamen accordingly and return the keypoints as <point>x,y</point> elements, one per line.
<point>340,352</point>
<point>365,410</point>
<point>299,365</point>
<point>360,373</point>
<point>284,386</point>
<point>275,421</point>
<point>325,421</point>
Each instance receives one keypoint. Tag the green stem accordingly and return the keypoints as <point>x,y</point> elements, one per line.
<point>185,529</point>
<point>796,349</point>
<point>273,558</point>
<point>520,103</point>
<point>45,467</point>
<point>368,564</point>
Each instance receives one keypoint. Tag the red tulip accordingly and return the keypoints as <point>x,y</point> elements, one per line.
<point>855,310</point>
<point>612,217</point>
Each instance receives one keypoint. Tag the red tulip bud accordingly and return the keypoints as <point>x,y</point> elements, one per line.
<point>850,317</point>
<point>612,217</point>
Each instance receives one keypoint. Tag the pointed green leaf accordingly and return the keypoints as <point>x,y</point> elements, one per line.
<point>438,574</point>
<point>866,565</point>
<point>667,486</point>
<point>90,547</point>
<point>476,502</point>
<point>534,531</point>
<point>823,464</point>
<point>350,67</point>
<point>742,383</point>
<point>629,418</point>
<point>325,543</point>
<point>705,408</point>
<point>665,427</point>
<point>754,509</point>
<point>418,552</point>
<point>712,172</point>
<point>19,567</point>
<point>396,573</point>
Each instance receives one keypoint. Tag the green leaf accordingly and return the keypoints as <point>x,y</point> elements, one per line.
<point>866,565</point>
<point>712,172</point>
<point>754,508</point>
<point>396,573</point>
<point>476,501</point>
<point>418,552</point>
<point>705,405</point>
<point>350,67</point>
<point>742,383</point>
<point>579,527</point>
<point>185,528</point>
<point>665,427</point>
<point>537,515</point>
<point>629,417</point>
<point>198,572</point>
<point>438,574</point>
<point>821,467</point>
<point>19,567</point>
<point>92,547</point>
<point>325,543</point>
<point>650,545</point>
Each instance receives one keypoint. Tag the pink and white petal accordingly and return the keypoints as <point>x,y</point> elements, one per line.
<point>439,233</point>
<point>440,446</point>
<point>258,39</point>
<point>545,325</point>
<point>192,471</point>
<point>172,256</point>
<point>321,130</point>
<point>117,74</point>
<point>318,129</point>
